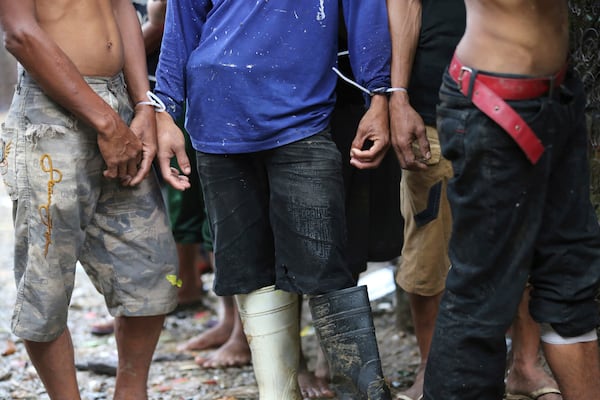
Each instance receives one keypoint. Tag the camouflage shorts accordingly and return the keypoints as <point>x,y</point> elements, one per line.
<point>65,211</point>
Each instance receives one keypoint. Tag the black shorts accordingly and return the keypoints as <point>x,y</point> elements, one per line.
<point>277,217</point>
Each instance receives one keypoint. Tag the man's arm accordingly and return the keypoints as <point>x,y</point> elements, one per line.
<point>184,21</point>
<point>60,79</point>
<point>136,77</point>
<point>405,123</point>
<point>369,52</point>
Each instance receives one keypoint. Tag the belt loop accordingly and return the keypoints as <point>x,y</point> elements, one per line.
<point>551,87</point>
<point>556,81</point>
<point>472,77</point>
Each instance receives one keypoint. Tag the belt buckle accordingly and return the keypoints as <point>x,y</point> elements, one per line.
<point>463,69</point>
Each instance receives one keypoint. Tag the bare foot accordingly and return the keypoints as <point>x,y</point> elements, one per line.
<point>315,385</point>
<point>210,339</point>
<point>526,382</point>
<point>234,353</point>
<point>312,387</point>
<point>415,392</point>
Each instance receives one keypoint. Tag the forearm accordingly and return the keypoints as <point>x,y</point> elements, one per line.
<point>51,68</point>
<point>134,68</point>
<point>405,24</point>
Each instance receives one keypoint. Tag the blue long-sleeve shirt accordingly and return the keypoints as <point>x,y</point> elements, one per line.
<point>257,74</point>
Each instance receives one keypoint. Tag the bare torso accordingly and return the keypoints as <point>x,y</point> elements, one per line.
<point>529,37</point>
<point>86,30</point>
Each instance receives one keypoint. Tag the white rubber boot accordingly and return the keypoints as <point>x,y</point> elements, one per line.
<point>270,320</point>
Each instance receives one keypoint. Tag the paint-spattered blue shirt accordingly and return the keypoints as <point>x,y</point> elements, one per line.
<point>257,74</point>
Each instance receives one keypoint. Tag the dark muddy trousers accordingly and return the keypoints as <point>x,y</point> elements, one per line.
<point>512,222</point>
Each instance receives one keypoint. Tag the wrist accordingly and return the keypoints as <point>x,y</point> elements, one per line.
<point>107,124</point>
<point>152,101</point>
<point>400,97</point>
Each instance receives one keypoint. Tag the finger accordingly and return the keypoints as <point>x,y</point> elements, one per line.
<point>122,170</point>
<point>132,167</point>
<point>111,172</point>
<point>183,161</point>
<point>424,147</point>
<point>143,171</point>
<point>183,181</point>
<point>171,175</point>
<point>412,163</point>
<point>363,159</point>
<point>165,168</point>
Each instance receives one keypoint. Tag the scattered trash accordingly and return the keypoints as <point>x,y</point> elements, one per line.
<point>379,281</point>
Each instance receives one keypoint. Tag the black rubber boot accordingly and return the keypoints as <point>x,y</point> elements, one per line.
<point>344,326</point>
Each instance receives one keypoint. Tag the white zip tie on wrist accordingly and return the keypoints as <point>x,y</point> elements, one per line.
<point>396,89</point>
<point>381,90</point>
<point>154,101</point>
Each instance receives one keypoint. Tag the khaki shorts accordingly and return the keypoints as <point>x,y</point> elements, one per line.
<point>65,211</point>
<point>428,224</point>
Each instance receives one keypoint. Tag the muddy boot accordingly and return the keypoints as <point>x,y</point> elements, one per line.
<point>270,320</point>
<point>344,326</point>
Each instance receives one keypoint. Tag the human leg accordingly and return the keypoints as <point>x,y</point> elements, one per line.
<point>188,295</point>
<point>54,362</point>
<point>136,339</point>
<point>566,277</point>
<point>526,374</point>
<point>344,326</point>
<point>313,384</point>
<point>304,183</point>
<point>576,368</point>
<point>233,351</point>
<point>218,334</point>
<point>186,216</point>
<point>190,292</point>
<point>496,219</point>
<point>236,196</point>
<point>270,321</point>
<point>228,334</point>
<point>424,310</point>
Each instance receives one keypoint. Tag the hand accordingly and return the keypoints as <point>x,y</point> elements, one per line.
<point>143,126</point>
<point>171,143</point>
<point>373,132</point>
<point>407,127</point>
<point>121,150</point>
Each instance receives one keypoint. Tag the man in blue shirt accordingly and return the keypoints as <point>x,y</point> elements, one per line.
<point>257,82</point>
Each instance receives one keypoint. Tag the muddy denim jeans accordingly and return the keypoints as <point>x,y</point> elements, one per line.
<point>512,222</point>
<point>277,217</point>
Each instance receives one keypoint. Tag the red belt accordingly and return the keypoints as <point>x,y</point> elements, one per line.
<point>488,93</point>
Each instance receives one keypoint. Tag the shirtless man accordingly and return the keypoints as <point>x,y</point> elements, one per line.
<point>83,191</point>
<point>520,204</point>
